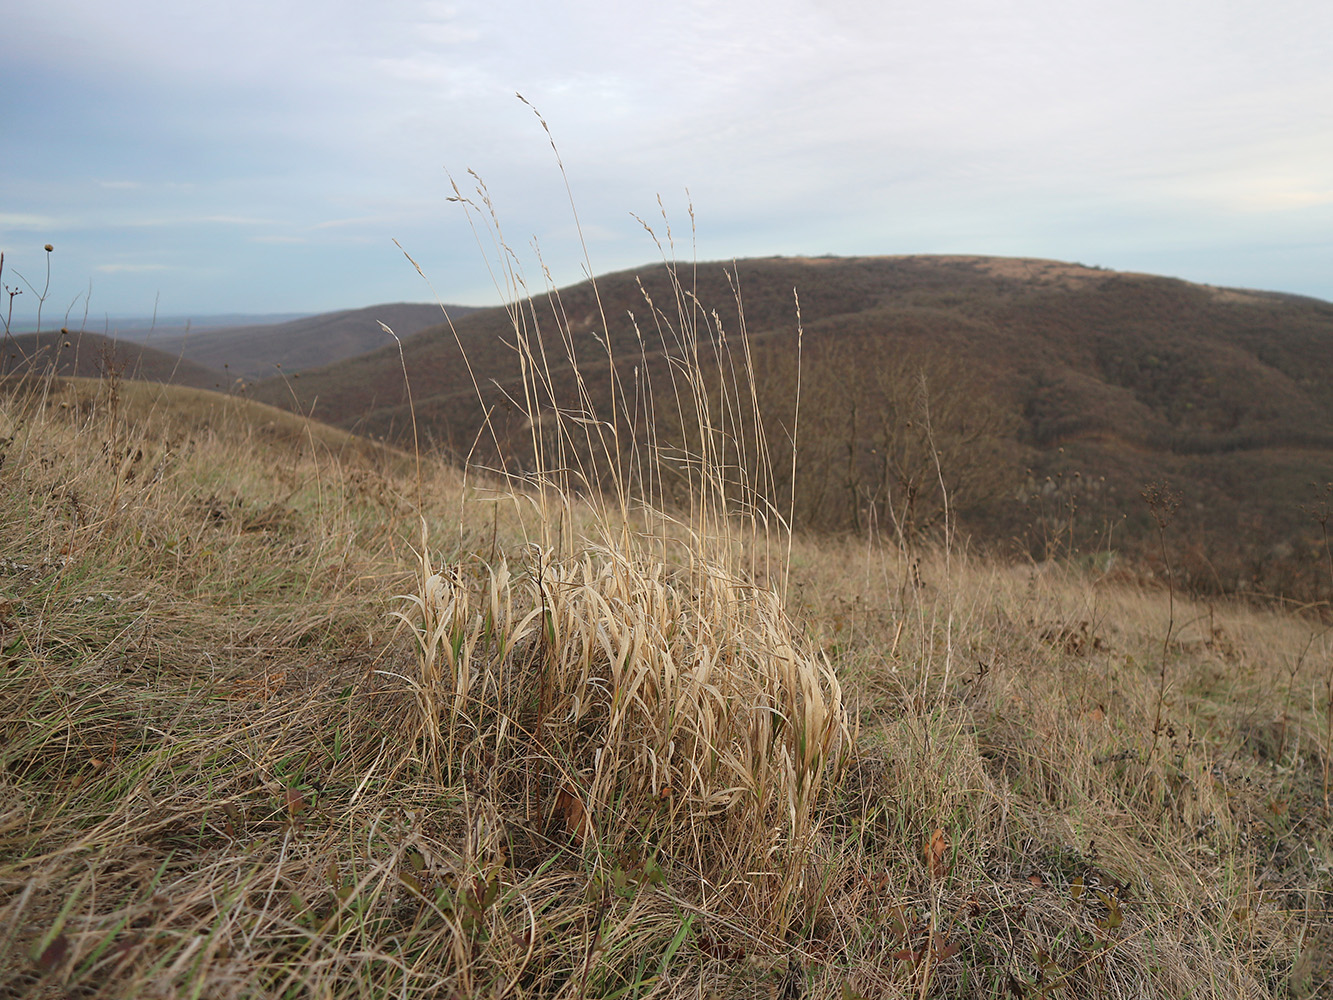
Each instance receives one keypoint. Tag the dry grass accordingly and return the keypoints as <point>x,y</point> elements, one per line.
<point>604,750</point>
<point>1038,757</point>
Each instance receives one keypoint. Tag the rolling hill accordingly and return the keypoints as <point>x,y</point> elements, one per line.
<point>1051,392</point>
<point>92,355</point>
<point>253,351</point>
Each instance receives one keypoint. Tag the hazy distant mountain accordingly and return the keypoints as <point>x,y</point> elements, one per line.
<point>253,351</point>
<point>149,328</point>
<point>92,355</point>
<point>1057,392</point>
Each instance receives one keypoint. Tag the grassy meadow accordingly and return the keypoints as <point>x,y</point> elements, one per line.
<point>287,713</point>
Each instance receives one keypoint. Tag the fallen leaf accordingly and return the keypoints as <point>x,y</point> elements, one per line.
<point>937,852</point>
<point>53,954</point>
<point>570,808</point>
<point>897,922</point>
<point>1114,918</point>
<point>719,950</point>
<point>124,950</point>
<point>943,949</point>
<point>412,883</point>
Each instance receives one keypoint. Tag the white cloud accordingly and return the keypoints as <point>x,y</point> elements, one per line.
<point>234,220</point>
<point>29,220</point>
<point>801,125</point>
<point>356,221</point>
<point>185,221</point>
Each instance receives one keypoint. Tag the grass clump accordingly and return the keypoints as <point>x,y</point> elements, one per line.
<point>626,685</point>
<point>652,708</point>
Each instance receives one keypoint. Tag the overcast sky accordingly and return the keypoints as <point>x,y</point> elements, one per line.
<point>262,157</point>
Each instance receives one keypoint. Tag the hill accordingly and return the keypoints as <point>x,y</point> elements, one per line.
<point>1052,392</point>
<point>284,714</point>
<point>141,329</point>
<point>253,351</point>
<point>92,355</point>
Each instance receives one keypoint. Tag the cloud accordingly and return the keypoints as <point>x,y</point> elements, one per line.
<point>356,221</point>
<point>234,220</point>
<point>185,221</point>
<point>1276,193</point>
<point>798,126</point>
<point>131,268</point>
<point>592,232</point>
<point>26,220</point>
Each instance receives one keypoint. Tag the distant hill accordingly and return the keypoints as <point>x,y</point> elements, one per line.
<point>91,355</point>
<point>149,328</point>
<point>253,351</point>
<point>1051,392</point>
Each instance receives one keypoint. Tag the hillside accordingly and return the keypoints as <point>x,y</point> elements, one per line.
<point>284,714</point>
<point>253,351</point>
<point>1056,393</point>
<point>91,355</point>
<point>146,329</point>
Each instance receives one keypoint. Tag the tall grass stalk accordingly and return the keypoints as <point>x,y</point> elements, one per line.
<point>630,679</point>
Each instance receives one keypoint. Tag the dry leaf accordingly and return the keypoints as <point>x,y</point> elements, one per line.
<point>1114,917</point>
<point>294,801</point>
<point>937,853</point>
<point>569,807</point>
<point>941,948</point>
<point>124,950</point>
<point>413,884</point>
<point>53,954</point>
<point>719,950</point>
<point>898,923</point>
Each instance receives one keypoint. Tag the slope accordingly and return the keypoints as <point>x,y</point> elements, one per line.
<point>254,351</point>
<point>92,355</point>
<point>234,763</point>
<point>1056,392</point>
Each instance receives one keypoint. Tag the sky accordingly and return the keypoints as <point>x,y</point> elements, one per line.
<point>263,157</point>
